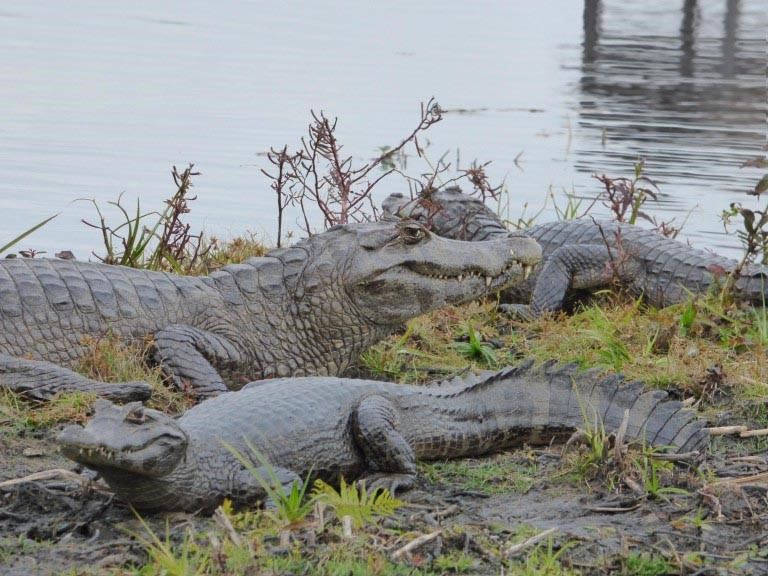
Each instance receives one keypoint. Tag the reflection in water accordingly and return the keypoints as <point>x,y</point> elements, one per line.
<point>677,97</point>
<point>687,29</point>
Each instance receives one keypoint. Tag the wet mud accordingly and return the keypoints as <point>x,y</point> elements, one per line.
<point>64,524</point>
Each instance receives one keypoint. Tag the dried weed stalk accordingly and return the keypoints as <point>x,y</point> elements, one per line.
<point>166,244</point>
<point>320,175</point>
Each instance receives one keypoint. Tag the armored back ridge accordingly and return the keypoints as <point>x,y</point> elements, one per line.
<point>335,427</point>
<point>308,309</point>
<point>586,255</point>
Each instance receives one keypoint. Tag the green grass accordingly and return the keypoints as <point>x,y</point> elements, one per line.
<point>19,415</point>
<point>498,474</point>
<point>647,564</point>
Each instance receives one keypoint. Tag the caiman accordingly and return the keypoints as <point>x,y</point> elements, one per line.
<point>310,309</point>
<point>324,427</point>
<point>587,255</point>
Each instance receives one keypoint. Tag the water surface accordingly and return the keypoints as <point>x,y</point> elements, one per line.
<point>102,98</point>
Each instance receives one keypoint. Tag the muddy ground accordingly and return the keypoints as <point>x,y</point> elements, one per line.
<point>62,526</point>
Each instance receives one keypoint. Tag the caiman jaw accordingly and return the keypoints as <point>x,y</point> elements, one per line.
<point>525,267</point>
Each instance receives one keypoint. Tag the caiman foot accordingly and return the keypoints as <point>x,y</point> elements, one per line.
<point>521,312</point>
<point>390,482</point>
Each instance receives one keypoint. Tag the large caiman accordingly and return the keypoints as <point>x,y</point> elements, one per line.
<point>587,255</point>
<point>323,427</point>
<point>310,309</point>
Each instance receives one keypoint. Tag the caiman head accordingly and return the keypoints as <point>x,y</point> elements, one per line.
<point>395,270</point>
<point>448,212</point>
<point>129,439</point>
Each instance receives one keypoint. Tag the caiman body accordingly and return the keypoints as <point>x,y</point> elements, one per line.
<point>332,427</point>
<point>304,310</point>
<point>584,254</point>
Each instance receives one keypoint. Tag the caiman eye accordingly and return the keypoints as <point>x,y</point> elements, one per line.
<point>411,233</point>
<point>136,415</point>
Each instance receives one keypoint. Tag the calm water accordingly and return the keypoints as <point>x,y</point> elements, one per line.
<point>100,98</point>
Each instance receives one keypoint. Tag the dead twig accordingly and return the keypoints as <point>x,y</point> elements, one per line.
<point>761,478</point>
<point>346,527</point>
<point>675,457</point>
<point>514,550</point>
<point>615,509</point>
<point>753,433</point>
<point>416,543</point>
<point>54,473</point>
<point>725,430</point>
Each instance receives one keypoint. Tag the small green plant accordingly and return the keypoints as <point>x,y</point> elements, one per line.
<point>647,564</point>
<point>597,446</point>
<point>572,209</point>
<point>386,361</point>
<point>456,562</point>
<point>355,501</point>
<point>545,560</point>
<point>168,560</point>
<point>475,349</point>
<point>652,473</point>
<point>291,505</point>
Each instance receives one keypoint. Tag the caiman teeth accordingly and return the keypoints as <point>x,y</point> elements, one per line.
<point>488,281</point>
<point>461,277</point>
<point>526,271</point>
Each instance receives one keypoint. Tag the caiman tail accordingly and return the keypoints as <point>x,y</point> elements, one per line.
<point>523,404</point>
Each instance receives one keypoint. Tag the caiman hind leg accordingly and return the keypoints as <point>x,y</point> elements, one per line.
<point>388,456</point>
<point>196,360</point>
<point>569,268</point>
<point>40,380</point>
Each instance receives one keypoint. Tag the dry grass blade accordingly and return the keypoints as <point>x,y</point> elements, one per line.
<point>221,518</point>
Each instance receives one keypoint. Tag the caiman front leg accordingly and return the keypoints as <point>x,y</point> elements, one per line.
<point>196,359</point>
<point>569,268</point>
<point>249,485</point>
<point>387,453</point>
<point>40,380</point>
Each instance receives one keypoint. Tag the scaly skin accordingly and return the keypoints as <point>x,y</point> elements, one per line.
<point>341,427</point>
<point>310,309</point>
<point>587,255</point>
